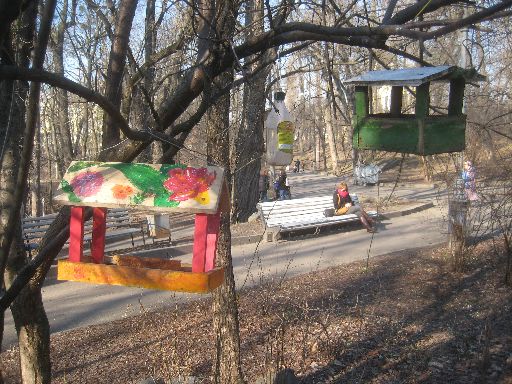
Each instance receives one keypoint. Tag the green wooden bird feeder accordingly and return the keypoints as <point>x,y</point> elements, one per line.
<point>419,133</point>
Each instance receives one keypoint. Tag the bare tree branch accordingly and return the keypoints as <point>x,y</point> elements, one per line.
<point>17,73</point>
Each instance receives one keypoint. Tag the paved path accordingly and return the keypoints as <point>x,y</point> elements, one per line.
<point>70,305</point>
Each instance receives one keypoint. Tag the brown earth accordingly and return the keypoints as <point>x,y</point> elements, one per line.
<point>404,318</point>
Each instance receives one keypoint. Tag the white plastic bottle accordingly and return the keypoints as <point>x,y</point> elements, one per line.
<point>279,133</point>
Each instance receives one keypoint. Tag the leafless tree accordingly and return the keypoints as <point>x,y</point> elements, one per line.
<point>208,58</point>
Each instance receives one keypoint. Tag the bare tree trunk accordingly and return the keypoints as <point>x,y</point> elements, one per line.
<point>37,170</point>
<point>427,172</point>
<point>508,264</point>
<point>143,91</point>
<point>330,113</point>
<point>249,146</point>
<point>331,140</point>
<point>28,312</point>
<point>457,223</point>
<point>62,127</point>
<point>30,321</point>
<point>2,324</point>
<point>317,144</point>
<point>116,65</point>
<point>225,309</point>
<point>10,157</point>
<point>322,142</point>
<point>225,318</point>
<point>155,149</point>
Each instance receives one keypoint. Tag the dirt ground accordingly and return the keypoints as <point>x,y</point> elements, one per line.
<point>404,318</point>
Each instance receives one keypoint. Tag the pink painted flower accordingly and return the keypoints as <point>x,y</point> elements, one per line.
<point>188,183</point>
<point>87,183</point>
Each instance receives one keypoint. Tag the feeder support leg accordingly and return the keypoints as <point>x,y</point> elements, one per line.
<point>99,227</point>
<point>206,233</point>
<point>211,240</point>
<point>76,234</point>
<point>199,250</point>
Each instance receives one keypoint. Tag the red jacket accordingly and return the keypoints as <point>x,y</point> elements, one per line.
<point>339,201</point>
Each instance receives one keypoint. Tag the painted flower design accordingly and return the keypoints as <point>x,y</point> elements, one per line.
<point>122,191</point>
<point>87,183</point>
<point>189,183</point>
<point>203,198</point>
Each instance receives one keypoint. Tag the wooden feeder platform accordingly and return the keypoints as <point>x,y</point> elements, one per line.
<point>143,272</point>
<point>419,133</point>
<point>154,187</point>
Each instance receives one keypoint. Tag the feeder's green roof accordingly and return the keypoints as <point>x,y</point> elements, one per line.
<point>415,76</point>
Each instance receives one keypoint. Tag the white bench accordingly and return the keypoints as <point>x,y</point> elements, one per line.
<point>297,214</point>
<point>118,224</point>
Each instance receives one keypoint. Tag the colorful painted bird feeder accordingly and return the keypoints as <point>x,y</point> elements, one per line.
<point>419,133</point>
<point>154,187</point>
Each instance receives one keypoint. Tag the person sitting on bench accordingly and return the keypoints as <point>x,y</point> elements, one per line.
<point>343,205</point>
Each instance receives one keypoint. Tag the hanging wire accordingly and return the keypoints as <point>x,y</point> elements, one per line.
<point>108,148</point>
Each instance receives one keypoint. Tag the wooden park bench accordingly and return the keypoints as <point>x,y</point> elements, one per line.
<point>298,214</point>
<point>119,224</point>
<point>162,188</point>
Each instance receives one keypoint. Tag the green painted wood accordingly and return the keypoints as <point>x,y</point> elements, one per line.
<point>422,100</point>
<point>420,133</point>
<point>442,134</point>
<point>361,101</point>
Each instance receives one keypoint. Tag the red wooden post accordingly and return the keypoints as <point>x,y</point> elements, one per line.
<point>211,241</point>
<point>76,234</point>
<point>99,227</point>
<point>200,235</point>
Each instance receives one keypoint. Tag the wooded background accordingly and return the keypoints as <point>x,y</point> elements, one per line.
<point>164,81</point>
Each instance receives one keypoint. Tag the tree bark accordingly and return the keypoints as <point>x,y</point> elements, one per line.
<point>144,91</point>
<point>225,309</point>
<point>331,140</point>
<point>28,312</point>
<point>30,320</point>
<point>330,113</point>
<point>37,169</point>
<point>249,145</point>
<point>117,61</point>
<point>10,158</point>
<point>62,128</point>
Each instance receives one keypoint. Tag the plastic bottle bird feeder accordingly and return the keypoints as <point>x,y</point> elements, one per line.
<point>418,133</point>
<point>155,187</point>
<point>279,132</point>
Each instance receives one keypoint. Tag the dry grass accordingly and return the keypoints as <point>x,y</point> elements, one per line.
<point>407,319</point>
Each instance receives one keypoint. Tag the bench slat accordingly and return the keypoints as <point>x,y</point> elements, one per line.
<point>113,234</point>
<point>318,221</point>
<point>289,215</point>
<point>118,224</point>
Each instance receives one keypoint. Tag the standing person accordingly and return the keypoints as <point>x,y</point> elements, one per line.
<point>276,188</point>
<point>296,169</point>
<point>469,175</point>
<point>263,184</point>
<point>284,188</point>
<point>344,205</point>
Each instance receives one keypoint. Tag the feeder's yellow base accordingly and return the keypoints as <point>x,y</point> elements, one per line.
<point>169,275</point>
